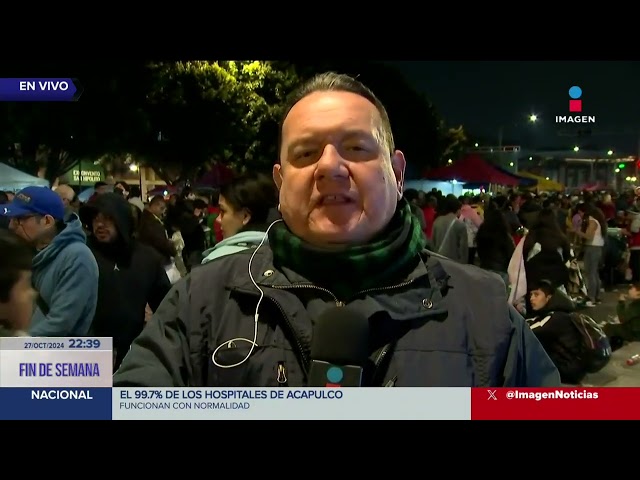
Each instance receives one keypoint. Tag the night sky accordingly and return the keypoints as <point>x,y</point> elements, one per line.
<point>485,95</point>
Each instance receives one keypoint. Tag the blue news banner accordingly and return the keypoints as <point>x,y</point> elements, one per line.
<point>40,89</point>
<point>56,378</point>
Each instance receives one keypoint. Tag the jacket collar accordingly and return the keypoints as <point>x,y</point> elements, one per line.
<point>267,275</point>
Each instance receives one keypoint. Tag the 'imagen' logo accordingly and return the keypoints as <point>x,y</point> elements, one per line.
<point>575,107</point>
<point>575,104</point>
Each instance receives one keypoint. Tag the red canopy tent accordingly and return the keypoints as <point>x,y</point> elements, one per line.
<point>592,187</point>
<point>472,169</point>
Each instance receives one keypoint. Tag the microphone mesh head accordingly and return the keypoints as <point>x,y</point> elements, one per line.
<point>341,337</point>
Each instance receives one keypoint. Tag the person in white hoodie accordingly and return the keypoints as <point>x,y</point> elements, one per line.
<point>245,205</point>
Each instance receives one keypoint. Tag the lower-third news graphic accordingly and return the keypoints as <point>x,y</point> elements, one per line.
<point>55,378</point>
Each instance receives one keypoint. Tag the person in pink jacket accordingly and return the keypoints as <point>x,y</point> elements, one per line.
<point>472,220</point>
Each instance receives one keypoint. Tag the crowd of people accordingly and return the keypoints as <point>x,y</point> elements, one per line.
<point>552,251</point>
<point>226,289</point>
<point>103,267</point>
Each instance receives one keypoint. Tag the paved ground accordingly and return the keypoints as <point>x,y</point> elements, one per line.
<point>616,373</point>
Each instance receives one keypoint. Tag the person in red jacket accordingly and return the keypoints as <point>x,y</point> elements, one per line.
<point>429,211</point>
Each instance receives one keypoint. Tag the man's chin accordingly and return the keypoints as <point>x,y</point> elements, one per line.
<point>335,234</point>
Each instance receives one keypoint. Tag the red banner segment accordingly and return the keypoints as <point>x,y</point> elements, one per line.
<point>570,403</point>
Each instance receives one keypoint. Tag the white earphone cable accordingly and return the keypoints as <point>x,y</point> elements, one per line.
<point>232,343</point>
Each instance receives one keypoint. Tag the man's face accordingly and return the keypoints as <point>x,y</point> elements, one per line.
<point>119,188</point>
<point>337,182</point>
<point>158,208</point>
<point>538,299</point>
<point>31,228</point>
<point>102,189</point>
<point>66,194</point>
<point>104,228</point>
<point>19,308</point>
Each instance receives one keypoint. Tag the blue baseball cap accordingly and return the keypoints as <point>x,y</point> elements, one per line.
<point>34,201</point>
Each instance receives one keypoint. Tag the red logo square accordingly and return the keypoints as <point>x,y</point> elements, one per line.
<point>575,105</point>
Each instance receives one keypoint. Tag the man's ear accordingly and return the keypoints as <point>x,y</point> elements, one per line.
<point>277,175</point>
<point>399,164</point>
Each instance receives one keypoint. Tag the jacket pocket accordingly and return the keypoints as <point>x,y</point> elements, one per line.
<point>230,363</point>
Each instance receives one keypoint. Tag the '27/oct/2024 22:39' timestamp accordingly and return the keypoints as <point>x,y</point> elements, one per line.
<point>63,344</point>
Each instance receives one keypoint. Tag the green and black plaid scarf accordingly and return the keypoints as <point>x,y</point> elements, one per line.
<point>379,263</point>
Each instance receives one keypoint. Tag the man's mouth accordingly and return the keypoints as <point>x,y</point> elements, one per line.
<point>335,200</point>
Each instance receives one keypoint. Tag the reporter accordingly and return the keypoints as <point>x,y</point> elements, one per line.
<point>347,237</point>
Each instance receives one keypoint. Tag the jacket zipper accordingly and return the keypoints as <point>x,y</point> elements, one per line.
<point>281,376</point>
<point>299,347</point>
<point>338,302</point>
<point>378,361</point>
<point>312,287</point>
<point>381,355</point>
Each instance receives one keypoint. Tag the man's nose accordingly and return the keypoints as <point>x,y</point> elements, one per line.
<point>331,164</point>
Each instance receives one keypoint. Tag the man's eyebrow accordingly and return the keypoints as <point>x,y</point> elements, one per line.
<point>300,141</point>
<point>310,137</point>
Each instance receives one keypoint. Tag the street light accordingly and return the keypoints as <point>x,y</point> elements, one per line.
<point>576,148</point>
<point>135,168</point>
<point>531,118</point>
<point>610,152</point>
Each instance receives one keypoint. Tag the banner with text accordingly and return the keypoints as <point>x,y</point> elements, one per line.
<point>570,403</point>
<point>71,378</point>
<point>291,403</point>
<point>40,89</point>
<point>55,378</point>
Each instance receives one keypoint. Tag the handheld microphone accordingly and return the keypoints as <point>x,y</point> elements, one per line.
<point>339,349</point>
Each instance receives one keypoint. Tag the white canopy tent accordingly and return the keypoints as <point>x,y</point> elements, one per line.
<point>12,179</point>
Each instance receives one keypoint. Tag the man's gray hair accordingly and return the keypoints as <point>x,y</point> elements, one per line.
<point>337,82</point>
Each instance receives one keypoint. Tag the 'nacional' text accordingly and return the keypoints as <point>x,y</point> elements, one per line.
<point>71,394</point>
